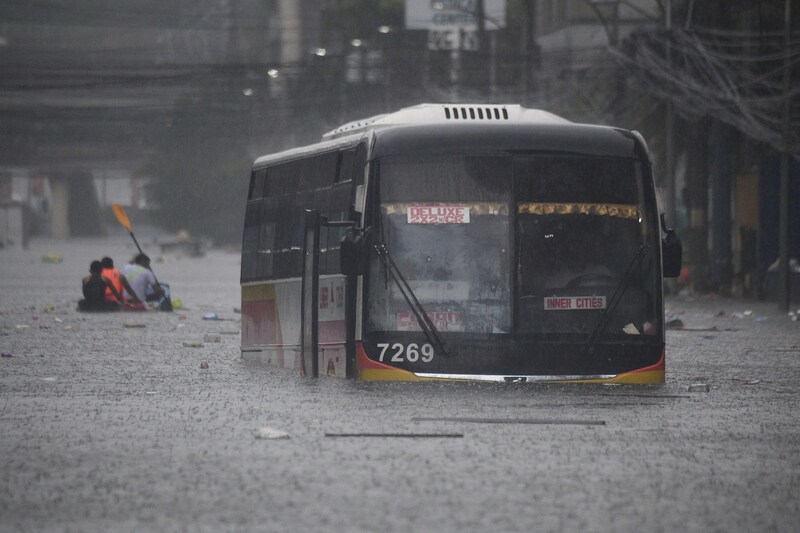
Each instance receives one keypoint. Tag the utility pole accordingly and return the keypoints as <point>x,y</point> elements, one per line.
<point>784,278</point>
<point>669,125</point>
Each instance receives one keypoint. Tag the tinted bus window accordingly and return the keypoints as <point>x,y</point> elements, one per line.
<point>580,231</point>
<point>445,221</point>
<point>250,241</point>
<point>283,179</point>
<point>319,171</point>
<point>257,184</point>
<point>338,210</point>
<point>346,166</point>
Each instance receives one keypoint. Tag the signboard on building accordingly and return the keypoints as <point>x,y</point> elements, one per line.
<point>463,14</point>
<point>453,38</point>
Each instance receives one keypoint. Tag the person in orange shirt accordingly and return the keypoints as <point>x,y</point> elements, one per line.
<point>118,281</point>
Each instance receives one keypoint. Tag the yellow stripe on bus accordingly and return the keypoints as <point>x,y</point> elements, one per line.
<point>608,210</point>
<point>252,293</point>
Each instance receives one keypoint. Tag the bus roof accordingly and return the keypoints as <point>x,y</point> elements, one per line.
<point>432,128</point>
<point>577,139</point>
<point>449,113</point>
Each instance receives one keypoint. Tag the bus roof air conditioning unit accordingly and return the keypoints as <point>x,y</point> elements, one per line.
<point>444,113</point>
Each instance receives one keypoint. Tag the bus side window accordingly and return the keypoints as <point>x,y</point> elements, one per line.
<point>347,159</point>
<point>257,180</point>
<point>319,171</point>
<point>339,208</point>
<point>250,241</point>
<point>359,170</point>
<point>266,238</point>
<point>282,186</point>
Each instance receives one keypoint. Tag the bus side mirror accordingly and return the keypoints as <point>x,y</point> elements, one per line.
<point>671,251</point>
<point>352,253</point>
<point>671,254</point>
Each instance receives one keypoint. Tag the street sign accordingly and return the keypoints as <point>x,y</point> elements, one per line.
<point>452,39</point>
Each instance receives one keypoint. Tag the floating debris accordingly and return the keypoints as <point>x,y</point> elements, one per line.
<point>212,337</point>
<point>134,325</point>
<point>49,379</point>
<point>192,344</point>
<point>675,323</point>
<point>400,435</point>
<point>268,433</point>
<point>698,387</point>
<point>211,316</point>
<point>542,421</point>
<point>52,258</point>
<point>6,355</point>
<point>204,365</point>
<point>149,392</point>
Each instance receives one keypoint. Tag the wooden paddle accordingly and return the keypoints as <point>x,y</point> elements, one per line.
<point>123,219</point>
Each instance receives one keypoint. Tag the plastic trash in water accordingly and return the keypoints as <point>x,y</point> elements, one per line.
<point>192,344</point>
<point>52,258</point>
<point>675,323</point>
<point>6,355</point>
<point>268,433</point>
<point>212,337</point>
<point>211,316</point>
<point>698,387</point>
<point>204,365</point>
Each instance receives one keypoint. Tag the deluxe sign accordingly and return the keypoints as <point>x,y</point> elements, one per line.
<point>574,303</point>
<point>437,214</point>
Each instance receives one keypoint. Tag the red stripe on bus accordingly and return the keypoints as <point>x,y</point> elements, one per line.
<point>660,365</point>
<point>259,322</point>
<point>365,363</point>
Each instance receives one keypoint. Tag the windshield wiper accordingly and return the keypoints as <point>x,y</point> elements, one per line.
<point>425,322</point>
<point>616,297</point>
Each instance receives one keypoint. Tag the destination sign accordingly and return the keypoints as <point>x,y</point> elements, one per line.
<point>574,303</point>
<point>442,320</point>
<point>437,214</point>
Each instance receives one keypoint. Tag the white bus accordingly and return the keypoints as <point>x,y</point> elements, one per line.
<point>472,242</point>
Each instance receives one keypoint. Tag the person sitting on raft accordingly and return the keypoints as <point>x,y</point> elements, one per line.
<point>94,291</point>
<point>120,284</point>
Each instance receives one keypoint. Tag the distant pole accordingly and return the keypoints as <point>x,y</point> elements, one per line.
<point>669,144</point>
<point>784,279</point>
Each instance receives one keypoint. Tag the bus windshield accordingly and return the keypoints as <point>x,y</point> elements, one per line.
<point>583,233</point>
<point>472,234</point>
<point>444,219</point>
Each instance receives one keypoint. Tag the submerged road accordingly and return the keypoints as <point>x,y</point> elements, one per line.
<point>109,423</point>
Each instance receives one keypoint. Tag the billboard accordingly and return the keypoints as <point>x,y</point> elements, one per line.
<point>441,14</point>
